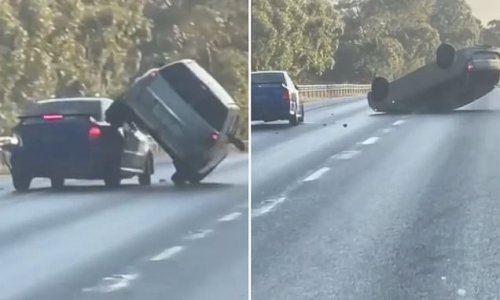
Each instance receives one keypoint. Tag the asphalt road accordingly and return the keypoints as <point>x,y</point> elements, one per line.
<point>158,242</point>
<point>356,205</point>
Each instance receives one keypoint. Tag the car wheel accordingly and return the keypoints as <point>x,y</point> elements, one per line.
<point>57,183</point>
<point>178,179</point>
<point>294,120</point>
<point>302,114</point>
<point>21,181</point>
<point>145,178</point>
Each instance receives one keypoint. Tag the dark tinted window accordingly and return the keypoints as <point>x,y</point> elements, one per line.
<point>277,77</point>
<point>66,107</point>
<point>193,91</point>
<point>486,55</point>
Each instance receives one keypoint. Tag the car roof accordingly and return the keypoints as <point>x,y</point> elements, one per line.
<point>269,71</point>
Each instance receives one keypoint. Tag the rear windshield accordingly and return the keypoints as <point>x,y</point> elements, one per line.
<point>258,78</point>
<point>194,92</point>
<point>486,55</point>
<point>66,107</point>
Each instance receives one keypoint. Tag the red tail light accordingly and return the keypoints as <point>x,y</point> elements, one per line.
<point>286,95</point>
<point>214,137</point>
<point>470,67</point>
<point>94,133</point>
<point>52,117</point>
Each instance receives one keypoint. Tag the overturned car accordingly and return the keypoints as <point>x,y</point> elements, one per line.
<point>454,79</point>
<point>187,112</point>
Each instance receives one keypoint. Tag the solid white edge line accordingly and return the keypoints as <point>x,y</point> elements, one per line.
<point>370,141</point>
<point>230,217</point>
<point>316,175</point>
<point>167,253</point>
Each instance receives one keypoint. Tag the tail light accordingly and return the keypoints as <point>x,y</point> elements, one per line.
<point>214,137</point>
<point>94,133</point>
<point>470,67</point>
<point>286,95</point>
<point>52,117</point>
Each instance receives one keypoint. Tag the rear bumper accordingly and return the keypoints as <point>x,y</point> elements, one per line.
<point>268,116</point>
<point>92,166</point>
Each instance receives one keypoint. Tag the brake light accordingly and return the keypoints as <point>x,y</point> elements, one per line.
<point>286,95</point>
<point>52,117</point>
<point>94,133</point>
<point>470,67</point>
<point>214,137</point>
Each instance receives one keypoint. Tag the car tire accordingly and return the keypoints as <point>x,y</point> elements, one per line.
<point>21,182</point>
<point>145,178</point>
<point>302,114</point>
<point>57,183</point>
<point>294,120</point>
<point>178,179</point>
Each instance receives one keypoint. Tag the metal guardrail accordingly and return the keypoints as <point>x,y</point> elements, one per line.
<point>311,92</point>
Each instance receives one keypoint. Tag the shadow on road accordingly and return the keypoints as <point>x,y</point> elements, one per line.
<point>270,126</point>
<point>453,112</point>
<point>163,188</point>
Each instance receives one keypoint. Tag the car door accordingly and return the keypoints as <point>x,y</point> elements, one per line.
<point>135,149</point>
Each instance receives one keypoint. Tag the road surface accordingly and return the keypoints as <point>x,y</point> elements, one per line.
<point>357,205</point>
<point>158,242</point>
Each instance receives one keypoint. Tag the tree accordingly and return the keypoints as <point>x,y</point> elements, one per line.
<point>455,23</point>
<point>491,34</point>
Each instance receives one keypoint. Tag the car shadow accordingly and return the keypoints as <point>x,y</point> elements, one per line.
<point>132,188</point>
<point>270,126</point>
<point>453,112</point>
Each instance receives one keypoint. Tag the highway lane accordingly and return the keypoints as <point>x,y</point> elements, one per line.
<point>389,207</point>
<point>157,242</point>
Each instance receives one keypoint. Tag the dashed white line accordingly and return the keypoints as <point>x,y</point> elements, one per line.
<point>461,292</point>
<point>399,122</point>
<point>346,155</point>
<point>316,175</point>
<point>230,217</point>
<point>112,283</point>
<point>387,130</point>
<point>198,235</point>
<point>167,253</point>
<point>370,141</point>
<point>270,204</point>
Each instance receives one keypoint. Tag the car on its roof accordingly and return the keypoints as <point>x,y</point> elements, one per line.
<point>68,138</point>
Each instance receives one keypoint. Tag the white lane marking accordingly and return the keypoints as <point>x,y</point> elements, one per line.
<point>443,277</point>
<point>346,155</point>
<point>399,122</point>
<point>167,253</point>
<point>387,130</point>
<point>230,217</point>
<point>316,175</point>
<point>112,283</point>
<point>268,207</point>
<point>198,235</point>
<point>370,141</point>
<point>461,292</point>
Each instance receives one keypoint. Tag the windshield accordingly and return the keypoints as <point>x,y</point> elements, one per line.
<point>270,78</point>
<point>92,108</point>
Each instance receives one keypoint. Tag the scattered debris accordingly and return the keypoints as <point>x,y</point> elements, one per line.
<point>345,125</point>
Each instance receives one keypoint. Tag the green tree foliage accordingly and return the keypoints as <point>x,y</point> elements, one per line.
<point>295,35</point>
<point>96,47</point>
<point>491,34</point>
<point>379,37</point>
